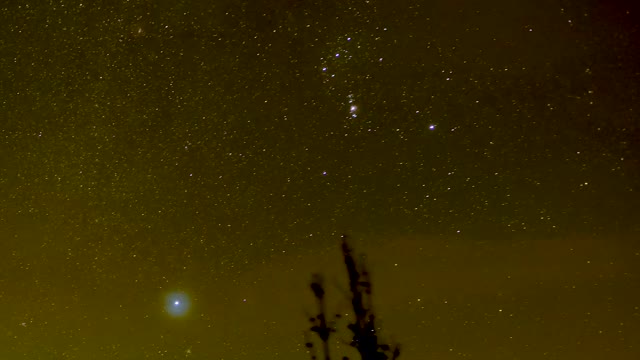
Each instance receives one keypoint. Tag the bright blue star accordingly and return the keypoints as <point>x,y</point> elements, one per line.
<point>177,304</point>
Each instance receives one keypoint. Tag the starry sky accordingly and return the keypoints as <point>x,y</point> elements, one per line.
<point>173,172</point>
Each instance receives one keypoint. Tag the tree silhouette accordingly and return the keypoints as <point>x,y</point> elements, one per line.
<point>364,339</point>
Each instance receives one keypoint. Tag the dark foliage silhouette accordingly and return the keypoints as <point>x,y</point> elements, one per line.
<point>364,340</point>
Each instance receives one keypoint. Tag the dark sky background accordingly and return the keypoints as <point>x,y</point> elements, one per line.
<point>483,154</point>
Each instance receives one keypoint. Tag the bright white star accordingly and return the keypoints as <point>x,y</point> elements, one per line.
<point>177,304</point>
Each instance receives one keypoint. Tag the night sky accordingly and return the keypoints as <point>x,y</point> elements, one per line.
<point>173,172</point>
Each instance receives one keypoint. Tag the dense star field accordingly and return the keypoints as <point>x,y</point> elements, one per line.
<point>173,172</point>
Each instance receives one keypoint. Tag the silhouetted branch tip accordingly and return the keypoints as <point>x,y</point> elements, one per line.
<point>316,286</point>
<point>364,339</point>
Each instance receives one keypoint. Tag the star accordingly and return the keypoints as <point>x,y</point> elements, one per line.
<point>177,304</point>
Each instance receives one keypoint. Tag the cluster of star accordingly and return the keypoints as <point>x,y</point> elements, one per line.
<point>332,65</point>
<point>353,108</point>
